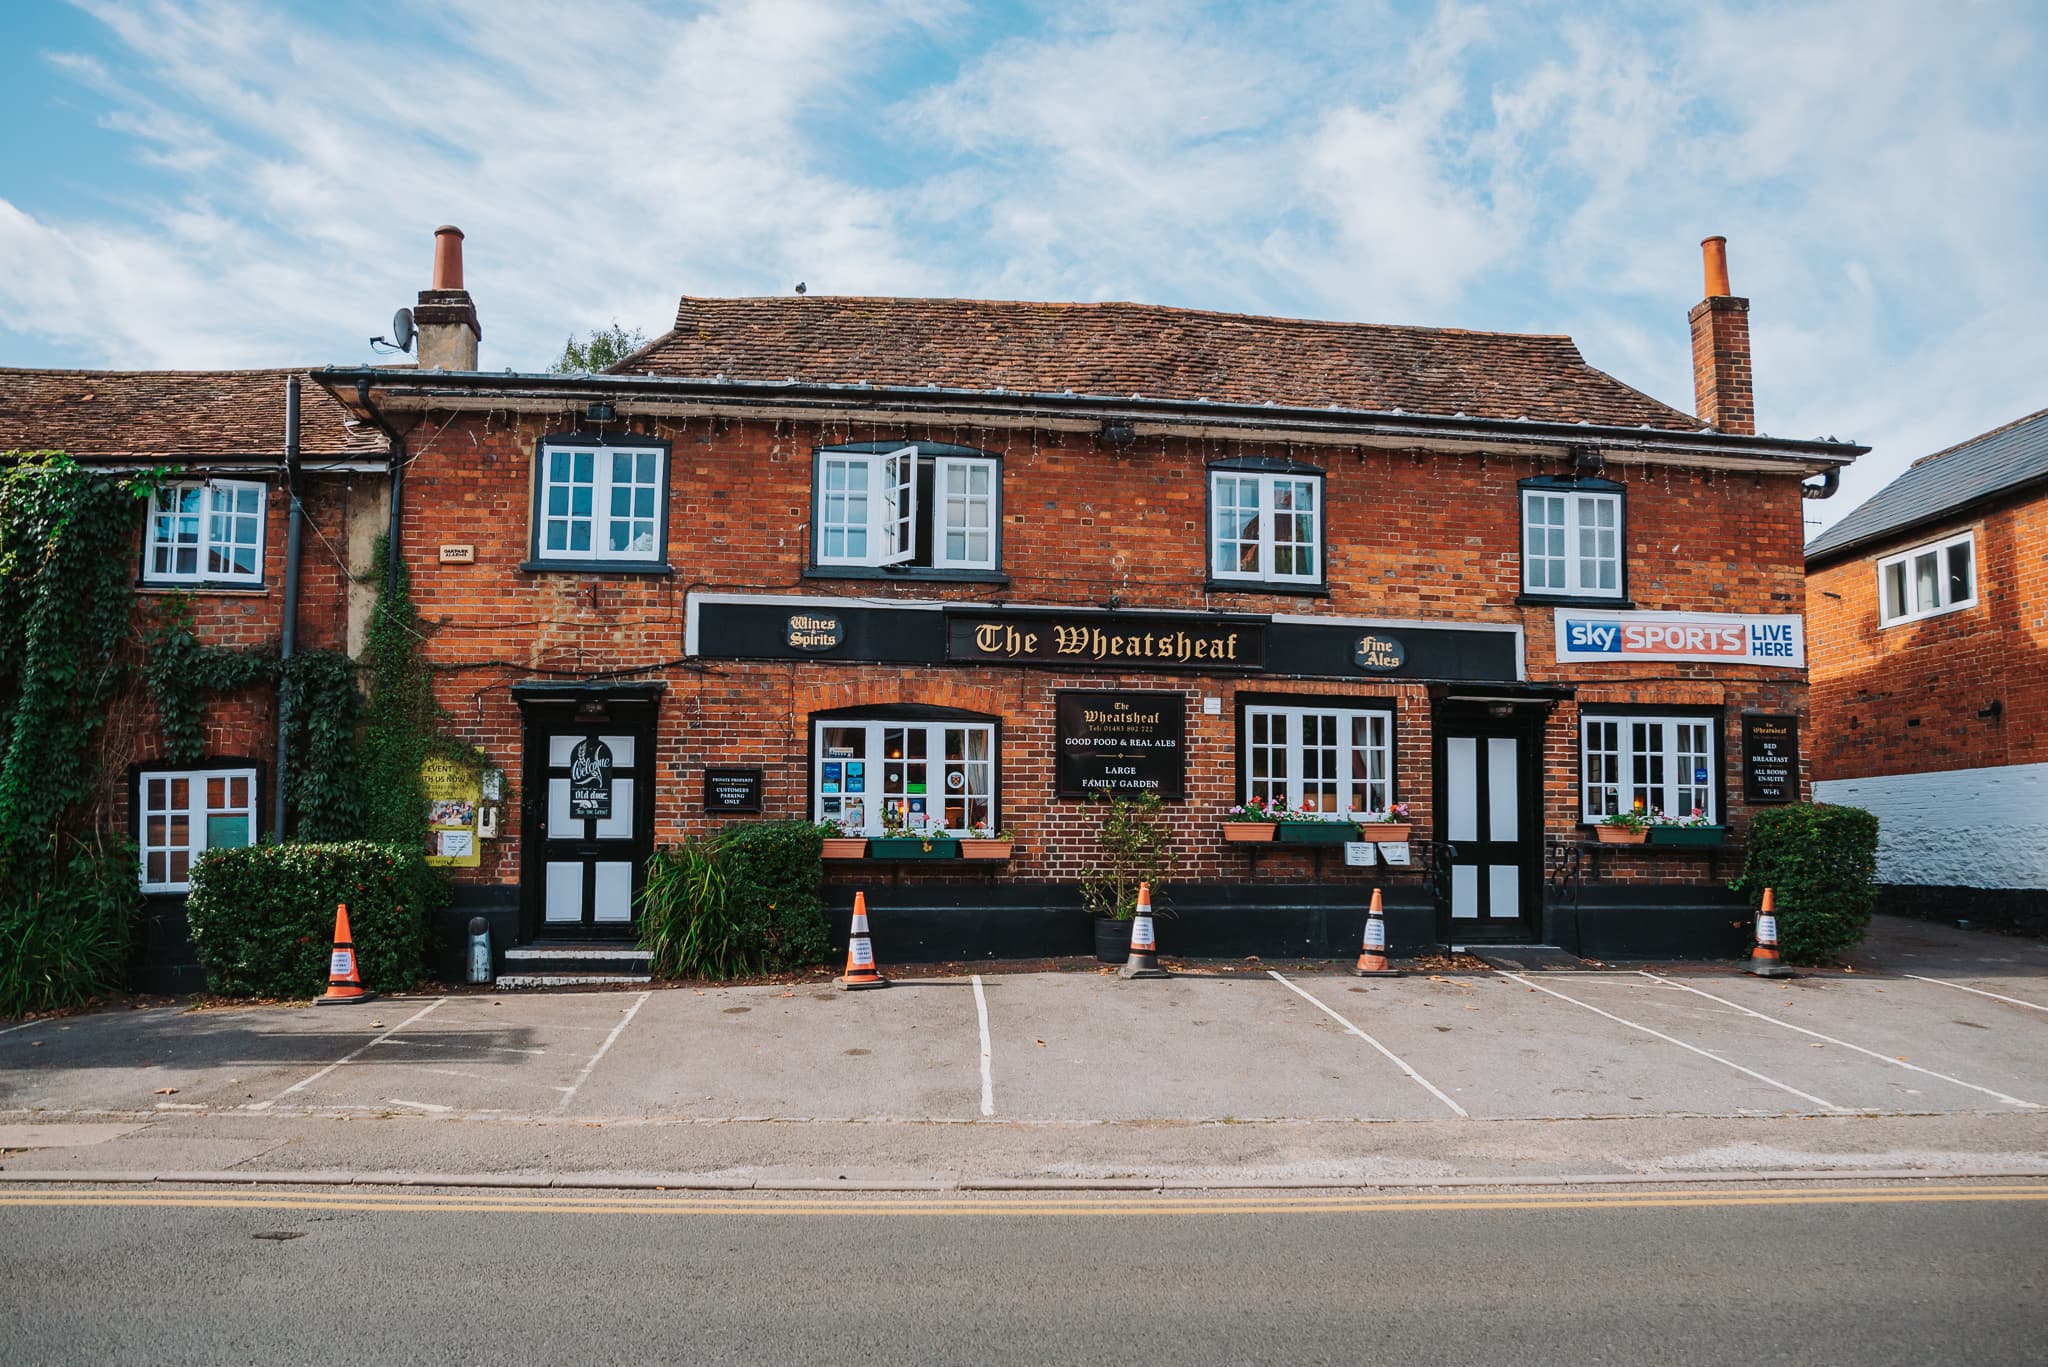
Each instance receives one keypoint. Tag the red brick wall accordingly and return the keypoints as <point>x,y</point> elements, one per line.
<point>1412,535</point>
<point>1905,698</point>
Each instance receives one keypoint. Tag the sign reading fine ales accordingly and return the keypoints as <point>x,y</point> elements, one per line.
<point>590,780</point>
<point>1127,641</point>
<point>1770,759</point>
<point>1120,744</point>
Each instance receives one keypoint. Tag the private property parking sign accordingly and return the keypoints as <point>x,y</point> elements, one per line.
<point>1595,636</point>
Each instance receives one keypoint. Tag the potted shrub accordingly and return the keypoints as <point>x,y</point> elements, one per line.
<point>1686,830</point>
<point>1391,826</point>
<point>843,840</point>
<point>984,841</point>
<point>1253,822</point>
<point>920,838</point>
<point>1136,847</point>
<point>1631,827</point>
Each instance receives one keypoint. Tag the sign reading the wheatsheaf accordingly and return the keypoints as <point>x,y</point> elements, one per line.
<point>1770,759</point>
<point>1128,641</point>
<point>1120,744</point>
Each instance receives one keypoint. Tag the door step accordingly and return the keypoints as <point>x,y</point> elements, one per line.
<point>528,967</point>
<point>1526,958</point>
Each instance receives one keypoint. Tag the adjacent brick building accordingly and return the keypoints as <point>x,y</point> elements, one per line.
<point>1929,614</point>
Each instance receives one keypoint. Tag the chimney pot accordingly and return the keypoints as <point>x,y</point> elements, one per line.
<point>1713,252</point>
<point>448,257</point>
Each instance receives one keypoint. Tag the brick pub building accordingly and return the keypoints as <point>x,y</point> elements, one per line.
<point>879,560</point>
<point>1929,608</point>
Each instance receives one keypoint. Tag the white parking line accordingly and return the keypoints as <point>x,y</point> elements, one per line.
<point>307,1082</point>
<point>988,1085</point>
<point>584,1076</point>
<point>417,1105</point>
<point>23,1026</point>
<point>1690,1048</point>
<point>1396,1059</point>
<point>1881,1058</point>
<point>1978,990</point>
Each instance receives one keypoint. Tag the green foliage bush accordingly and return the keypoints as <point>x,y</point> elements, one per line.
<point>65,931</point>
<point>1137,847</point>
<point>263,917</point>
<point>741,904</point>
<point>1820,861</point>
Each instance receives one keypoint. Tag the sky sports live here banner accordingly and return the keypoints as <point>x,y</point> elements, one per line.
<point>1681,636</point>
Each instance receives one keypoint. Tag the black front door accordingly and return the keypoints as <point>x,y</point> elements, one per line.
<point>1489,812</point>
<point>590,819</point>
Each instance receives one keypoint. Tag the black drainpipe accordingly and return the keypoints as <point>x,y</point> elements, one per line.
<point>296,530</point>
<point>1830,480</point>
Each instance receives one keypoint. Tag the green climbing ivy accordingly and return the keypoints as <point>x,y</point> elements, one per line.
<point>404,724</point>
<point>182,673</point>
<point>321,783</point>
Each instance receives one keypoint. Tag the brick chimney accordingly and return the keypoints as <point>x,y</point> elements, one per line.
<point>1720,350</point>
<point>446,317</point>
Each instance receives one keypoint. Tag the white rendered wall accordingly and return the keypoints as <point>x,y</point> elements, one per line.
<point>1963,828</point>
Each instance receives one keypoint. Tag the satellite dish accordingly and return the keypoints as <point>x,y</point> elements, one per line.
<point>402,329</point>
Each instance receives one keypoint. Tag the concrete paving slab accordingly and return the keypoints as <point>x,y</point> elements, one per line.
<point>1093,1047</point>
<point>811,1051</point>
<point>1506,1050</point>
<point>62,1135</point>
<point>2020,993</point>
<point>1916,1023</point>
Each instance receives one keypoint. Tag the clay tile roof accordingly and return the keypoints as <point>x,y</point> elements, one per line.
<point>1117,350</point>
<point>167,414</point>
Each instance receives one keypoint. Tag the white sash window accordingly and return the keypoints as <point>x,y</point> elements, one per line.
<point>600,503</point>
<point>210,533</point>
<point>1332,762</point>
<point>1266,527</point>
<point>1665,763</point>
<point>185,813</point>
<point>1571,542</point>
<point>908,508</point>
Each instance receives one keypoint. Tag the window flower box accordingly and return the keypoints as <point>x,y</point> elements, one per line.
<point>1622,835</point>
<point>1687,835</point>
<point>1247,832</point>
<point>913,847</point>
<point>972,847</point>
<point>1385,832</point>
<point>845,847</point>
<point>1317,832</point>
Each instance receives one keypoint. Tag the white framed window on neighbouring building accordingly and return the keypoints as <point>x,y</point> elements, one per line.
<point>918,506</point>
<point>897,769</point>
<point>208,532</point>
<point>1927,580</point>
<point>1266,527</point>
<point>182,813</point>
<point>1670,764</point>
<point>1333,761</point>
<point>1572,538</point>
<point>598,505</point>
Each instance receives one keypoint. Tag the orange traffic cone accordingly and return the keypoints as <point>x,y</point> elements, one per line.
<point>1372,959</point>
<point>344,979</point>
<point>1144,960</point>
<point>1763,960</point>
<point>860,951</point>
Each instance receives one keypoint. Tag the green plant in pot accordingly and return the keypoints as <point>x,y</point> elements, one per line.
<point>1631,827</point>
<point>1135,845</point>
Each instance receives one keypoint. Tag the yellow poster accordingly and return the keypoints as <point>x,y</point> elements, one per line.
<point>453,792</point>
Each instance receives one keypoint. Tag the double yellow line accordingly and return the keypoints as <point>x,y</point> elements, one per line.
<point>993,1204</point>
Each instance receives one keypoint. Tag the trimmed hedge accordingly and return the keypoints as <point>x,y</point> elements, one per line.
<point>64,933</point>
<point>263,918</point>
<point>773,870</point>
<point>1820,861</point>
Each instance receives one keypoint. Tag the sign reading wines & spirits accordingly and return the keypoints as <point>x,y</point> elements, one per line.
<point>1770,759</point>
<point>590,780</point>
<point>1120,744</point>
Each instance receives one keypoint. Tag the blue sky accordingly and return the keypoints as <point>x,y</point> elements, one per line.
<point>194,183</point>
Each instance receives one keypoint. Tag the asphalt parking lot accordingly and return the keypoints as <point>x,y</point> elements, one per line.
<point>1968,1036</point>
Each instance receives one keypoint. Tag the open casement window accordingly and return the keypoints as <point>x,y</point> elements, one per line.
<point>1266,527</point>
<point>911,507</point>
<point>875,774</point>
<point>1328,761</point>
<point>210,533</point>
<point>1927,580</point>
<point>185,813</point>
<point>1666,763</point>
<point>1571,540</point>
<point>600,503</point>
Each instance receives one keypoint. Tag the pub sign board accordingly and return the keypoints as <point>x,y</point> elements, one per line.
<point>1125,641</point>
<point>1120,744</point>
<point>590,780</point>
<point>1770,758</point>
<point>732,790</point>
